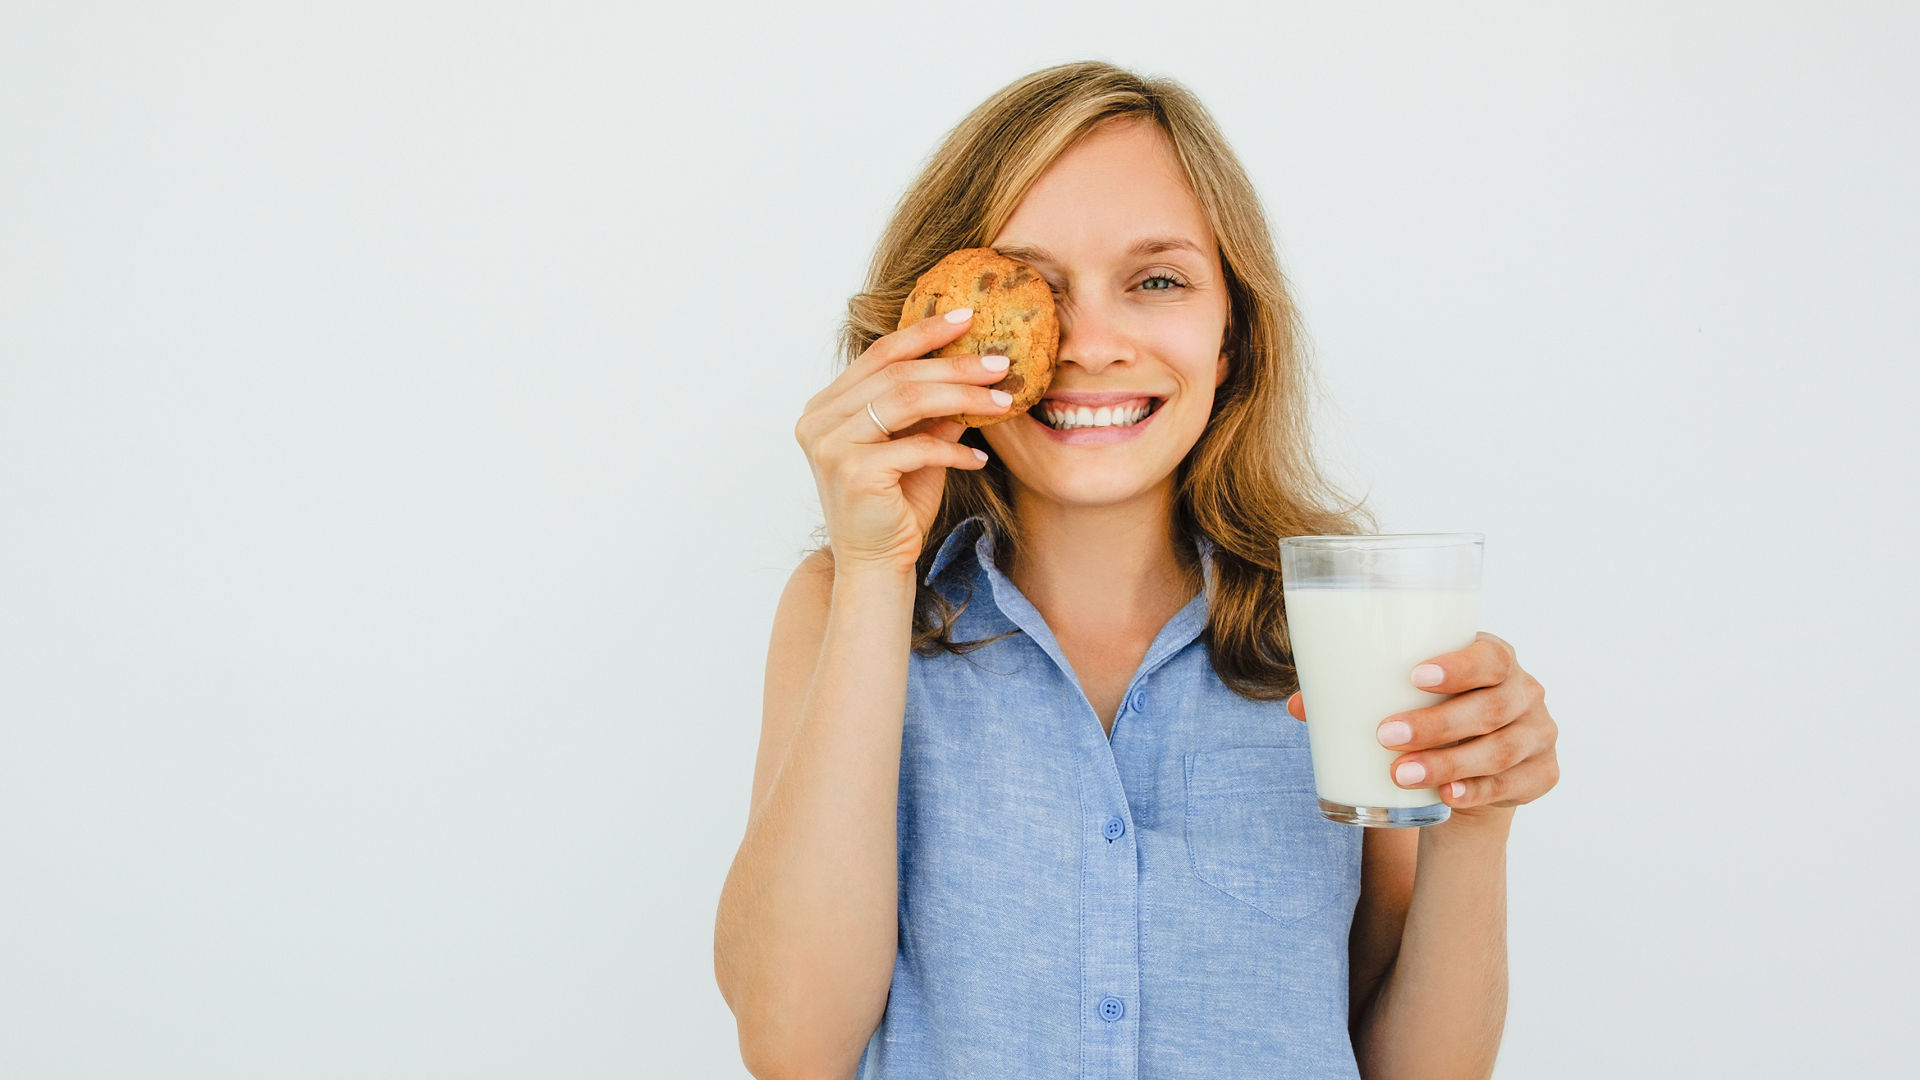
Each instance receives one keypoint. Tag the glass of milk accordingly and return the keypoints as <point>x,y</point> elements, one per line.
<point>1362,612</point>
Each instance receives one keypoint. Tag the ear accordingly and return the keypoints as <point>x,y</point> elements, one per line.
<point>1220,370</point>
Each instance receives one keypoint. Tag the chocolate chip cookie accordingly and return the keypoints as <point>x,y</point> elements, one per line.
<point>1012,317</point>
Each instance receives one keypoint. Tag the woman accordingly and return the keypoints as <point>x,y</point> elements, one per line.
<point>1025,802</point>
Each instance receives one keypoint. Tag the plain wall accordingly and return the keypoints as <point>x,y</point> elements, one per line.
<point>397,477</point>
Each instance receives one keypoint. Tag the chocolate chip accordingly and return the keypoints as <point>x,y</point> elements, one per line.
<point>1012,384</point>
<point>932,302</point>
<point>986,281</point>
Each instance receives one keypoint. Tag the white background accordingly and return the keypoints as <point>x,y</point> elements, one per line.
<point>397,478</point>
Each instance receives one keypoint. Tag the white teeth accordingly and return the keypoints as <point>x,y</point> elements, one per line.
<point>1106,416</point>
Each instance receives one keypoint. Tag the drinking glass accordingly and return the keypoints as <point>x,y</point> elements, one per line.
<point>1362,612</point>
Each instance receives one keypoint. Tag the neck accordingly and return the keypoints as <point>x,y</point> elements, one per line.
<point>1115,566</point>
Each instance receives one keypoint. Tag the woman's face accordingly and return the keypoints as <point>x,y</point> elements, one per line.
<point>1133,323</point>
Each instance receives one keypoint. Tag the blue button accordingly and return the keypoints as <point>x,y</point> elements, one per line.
<point>1139,701</point>
<point>1112,1008</point>
<point>1115,828</point>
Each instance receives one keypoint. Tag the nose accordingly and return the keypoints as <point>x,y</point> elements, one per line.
<point>1091,337</point>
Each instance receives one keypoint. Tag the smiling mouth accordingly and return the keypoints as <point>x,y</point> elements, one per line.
<point>1086,418</point>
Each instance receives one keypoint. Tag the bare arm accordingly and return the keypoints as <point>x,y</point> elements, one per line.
<point>1380,916</point>
<point>807,926</point>
<point>1442,1005</point>
<point>1488,748</point>
<point>805,937</point>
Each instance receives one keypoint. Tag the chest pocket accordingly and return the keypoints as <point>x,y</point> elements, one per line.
<point>1254,831</point>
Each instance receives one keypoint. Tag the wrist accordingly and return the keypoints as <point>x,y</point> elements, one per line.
<point>873,579</point>
<point>1478,826</point>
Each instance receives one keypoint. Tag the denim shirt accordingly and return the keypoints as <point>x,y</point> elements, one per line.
<point>1165,903</point>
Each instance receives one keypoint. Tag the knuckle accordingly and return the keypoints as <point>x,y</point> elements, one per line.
<point>1502,661</point>
<point>808,427</point>
<point>1509,754</point>
<point>1488,788</point>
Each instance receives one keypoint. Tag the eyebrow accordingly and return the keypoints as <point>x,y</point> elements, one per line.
<point>1151,245</point>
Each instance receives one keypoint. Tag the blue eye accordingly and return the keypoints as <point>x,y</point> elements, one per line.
<point>1176,282</point>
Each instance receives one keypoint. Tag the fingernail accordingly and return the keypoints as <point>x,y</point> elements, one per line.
<point>960,314</point>
<point>994,363</point>
<point>1394,732</point>
<point>1001,397</point>
<point>1459,789</point>
<point>1410,773</point>
<point>1428,675</point>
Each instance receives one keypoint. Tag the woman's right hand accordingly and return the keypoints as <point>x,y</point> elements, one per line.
<point>878,492</point>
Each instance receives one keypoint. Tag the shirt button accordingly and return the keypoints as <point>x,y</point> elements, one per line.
<point>1139,701</point>
<point>1116,828</point>
<point>1112,1008</point>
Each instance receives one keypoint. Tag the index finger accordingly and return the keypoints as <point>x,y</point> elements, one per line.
<point>912,342</point>
<point>907,343</point>
<point>1486,662</point>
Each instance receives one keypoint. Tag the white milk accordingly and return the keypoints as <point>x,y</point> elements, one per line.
<point>1356,650</point>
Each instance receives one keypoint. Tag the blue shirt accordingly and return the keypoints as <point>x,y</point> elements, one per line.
<point>1165,903</point>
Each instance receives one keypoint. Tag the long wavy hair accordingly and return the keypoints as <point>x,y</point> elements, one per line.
<point>1251,478</point>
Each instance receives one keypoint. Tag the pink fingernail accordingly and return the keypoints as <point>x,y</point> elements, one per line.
<point>1394,732</point>
<point>1428,675</point>
<point>960,314</point>
<point>1410,773</point>
<point>1457,788</point>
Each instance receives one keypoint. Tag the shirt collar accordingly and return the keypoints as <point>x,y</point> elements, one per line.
<point>955,541</point>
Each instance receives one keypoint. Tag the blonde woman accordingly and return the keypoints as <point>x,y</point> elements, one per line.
<point>1032,796</point>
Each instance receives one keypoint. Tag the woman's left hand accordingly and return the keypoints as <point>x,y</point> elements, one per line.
<point>1497,717</point>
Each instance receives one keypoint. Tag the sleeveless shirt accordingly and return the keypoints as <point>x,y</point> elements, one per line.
<point>1165,903</point>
